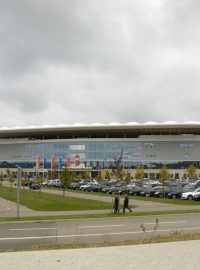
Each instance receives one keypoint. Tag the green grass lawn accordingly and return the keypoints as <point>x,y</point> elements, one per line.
<point>42,201</point>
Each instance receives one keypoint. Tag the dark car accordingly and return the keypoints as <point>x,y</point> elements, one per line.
<point>197,197</point>
<point>106,189</point>
<point>149,192</point>
<point>34,186</point>
<point>162,193</point>
<point>134,191</point>
<point>118,190</point>
<point>173,194</point>
<point>94,188</point>
<point>74,185</point>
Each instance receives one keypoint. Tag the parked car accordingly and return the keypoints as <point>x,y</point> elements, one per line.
<point>135,191</point>
<point>85,186</point>
<point>55,183</point>
<point>106,189</point>
<point>46,183</point>
<point>149,192</point>
<point>162,193</point>
<point>94,188</point>
<point>173,194</point>
<point>74,185</point>
<point>197,197</point>
<point>118,190</point>
<point>197,183</point>
<point>190,195</point>
<point>34,186</point>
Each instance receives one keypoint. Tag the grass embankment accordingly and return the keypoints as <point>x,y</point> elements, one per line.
<point>42,201</point>
<point>173,237</point>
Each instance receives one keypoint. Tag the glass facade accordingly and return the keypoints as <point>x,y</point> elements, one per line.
<point>102,153</point>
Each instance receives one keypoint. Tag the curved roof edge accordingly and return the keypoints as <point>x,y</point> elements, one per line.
<point>98,130</point>
<point>114,124</point>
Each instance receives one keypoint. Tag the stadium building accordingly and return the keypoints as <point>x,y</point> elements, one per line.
<point>99,146</point>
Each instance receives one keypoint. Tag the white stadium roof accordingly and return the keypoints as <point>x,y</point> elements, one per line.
<point>99,130</point>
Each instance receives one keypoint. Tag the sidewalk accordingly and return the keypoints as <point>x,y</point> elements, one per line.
<point>162,256</point>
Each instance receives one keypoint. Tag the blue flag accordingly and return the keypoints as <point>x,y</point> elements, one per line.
<point>45,161</point>
<point>60,161</point>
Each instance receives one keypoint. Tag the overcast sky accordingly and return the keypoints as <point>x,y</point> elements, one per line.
<point>99,61</point>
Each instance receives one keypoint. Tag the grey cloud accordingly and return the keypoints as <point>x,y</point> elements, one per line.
<point>99,61</point>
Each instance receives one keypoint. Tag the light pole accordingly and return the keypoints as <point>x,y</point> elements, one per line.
<point>18,186</point>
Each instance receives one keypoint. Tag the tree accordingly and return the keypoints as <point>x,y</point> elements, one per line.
<point>78,177</point>
<point>8,173</point>
<point>191,169</point>
<point>1,179</point>
<point>127,177</point>
<point>107,174</point>
<point>39,180</point>
<point>99,176</point>
<point>121,173</point>
<point>11,179</point>
<point>24,181</point>
<point>73,175</point>
<point>65,178</point>
<point>139,173</point>
<point>164,177</point>
<point>54,173</point>
<point>85,174</point>
<point>152,176</point>
<point>49,175</point>
<point>103,174</point>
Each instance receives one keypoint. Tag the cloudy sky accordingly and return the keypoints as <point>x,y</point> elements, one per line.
<point>102,61</point>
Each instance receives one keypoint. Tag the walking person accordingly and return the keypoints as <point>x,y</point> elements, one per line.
<point>126,204</point>
<point>116,204</point>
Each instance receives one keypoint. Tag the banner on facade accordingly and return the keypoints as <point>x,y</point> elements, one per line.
<point>68,161</point>
<point>45,161</point>
<point>53,161</point>
<point>77,161</point>
<point>60,161</point>
<point>37,161</point>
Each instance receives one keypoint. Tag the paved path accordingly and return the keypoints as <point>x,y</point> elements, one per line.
<point>162,256</point>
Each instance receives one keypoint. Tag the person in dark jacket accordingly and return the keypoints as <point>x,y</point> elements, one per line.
<point>126,204</point>
<point>116,204</point>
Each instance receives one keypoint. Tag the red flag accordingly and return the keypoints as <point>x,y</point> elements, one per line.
<point>37,161</point>
<point>68,161</point>
<point>77,161</point>
<point>53,161</point>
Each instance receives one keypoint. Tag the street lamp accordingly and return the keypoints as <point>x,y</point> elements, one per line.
<point>18,186</point>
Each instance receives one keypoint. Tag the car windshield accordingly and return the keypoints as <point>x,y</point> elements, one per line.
<point>188,188</point>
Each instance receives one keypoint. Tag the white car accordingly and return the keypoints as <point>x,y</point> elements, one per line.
<point>190,195</point>
<point>46,183</point>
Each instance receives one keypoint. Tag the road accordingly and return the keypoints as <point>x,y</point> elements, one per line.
<point>25,234</point>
